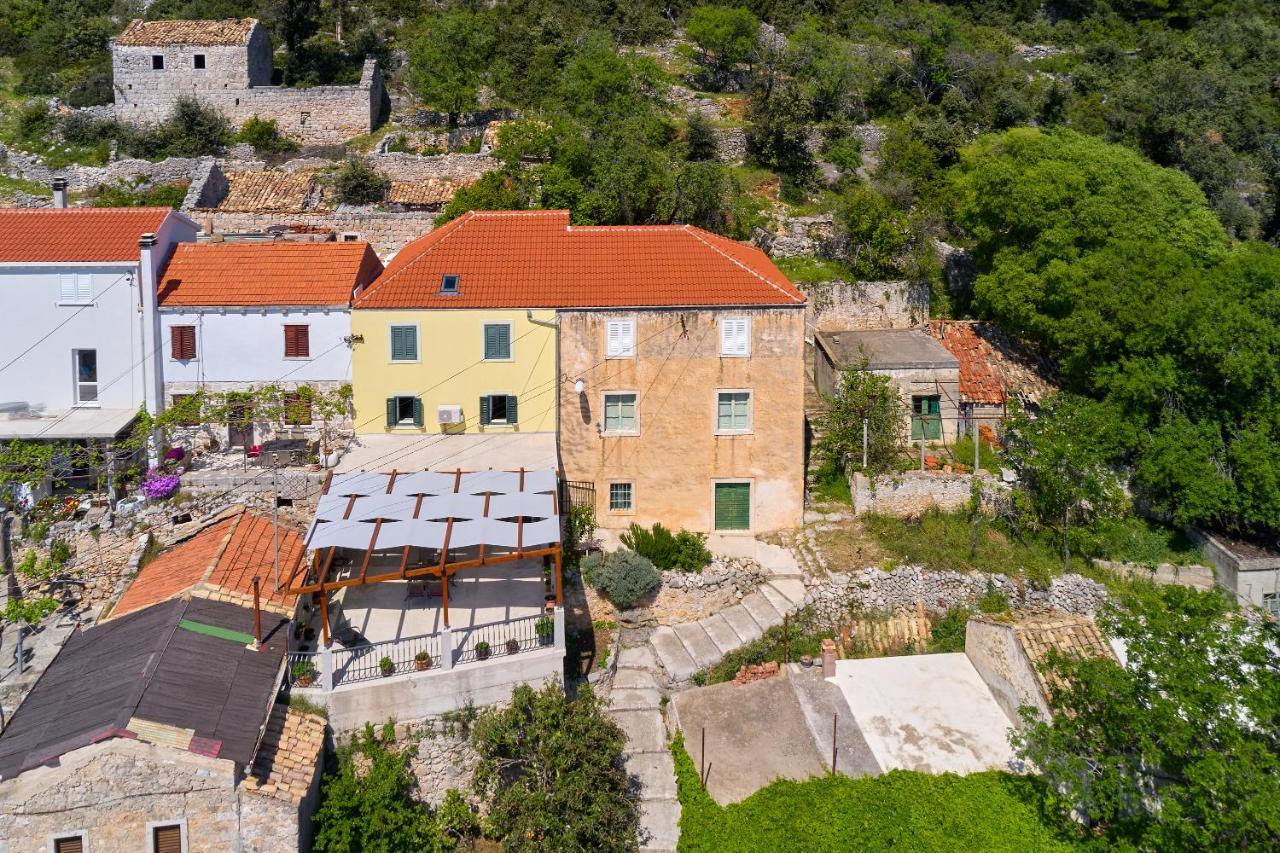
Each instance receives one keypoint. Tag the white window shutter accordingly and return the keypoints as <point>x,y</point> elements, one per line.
<point>613,338</point>
<point>734,336</point>
<point>84,287</point>
<point>67,287</point>
<point>629,337</point>
<point>620,338</point>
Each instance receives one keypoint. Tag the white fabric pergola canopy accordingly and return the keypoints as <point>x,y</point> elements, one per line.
<point>500,509</point>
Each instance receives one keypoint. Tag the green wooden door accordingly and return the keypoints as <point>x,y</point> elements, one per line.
<point>733,506</point>
<point>926,417</point>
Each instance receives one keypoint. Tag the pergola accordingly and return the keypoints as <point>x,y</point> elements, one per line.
<point>495,516</point>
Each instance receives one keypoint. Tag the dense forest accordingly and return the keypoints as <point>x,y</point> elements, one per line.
<point>1113,165</point>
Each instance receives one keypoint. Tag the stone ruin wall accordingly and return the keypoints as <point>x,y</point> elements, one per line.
<point>836,306</point>
<point>387,231</point>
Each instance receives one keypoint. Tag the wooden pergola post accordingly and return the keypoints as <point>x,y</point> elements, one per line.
<point>559,589</point>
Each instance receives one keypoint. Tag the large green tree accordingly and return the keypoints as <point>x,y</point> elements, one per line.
<point>1177,749</point>
<point>449,58</point>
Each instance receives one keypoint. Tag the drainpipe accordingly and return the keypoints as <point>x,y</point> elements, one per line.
<point>149,320</point>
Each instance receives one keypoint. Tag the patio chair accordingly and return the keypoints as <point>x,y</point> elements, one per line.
<point>345,635</point>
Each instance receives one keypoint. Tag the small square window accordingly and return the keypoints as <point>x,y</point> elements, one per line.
<point>620,497</point>
<point>197,61</point>
<point>449,284</point>
<point>498,409</point>
<point>1271,604</point>
<point>620,414</point>
<point>71,843</point>
<point>404,411</point>
<point>497,341</point>
<point>404,343</point>
<point>733,412</point>
<point>157,62</point>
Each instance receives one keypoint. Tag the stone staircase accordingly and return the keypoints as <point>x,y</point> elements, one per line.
<point>692,646</point>
<point>636,706</point>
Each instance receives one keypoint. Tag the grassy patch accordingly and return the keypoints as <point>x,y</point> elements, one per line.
<point>945,541</point>
<point>897,811</point>
<point>809,270</point>
<point>831,485</point>
<point>801,637</point>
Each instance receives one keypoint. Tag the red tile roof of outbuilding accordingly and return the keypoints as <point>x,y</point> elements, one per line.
<point>979,381</point>
<point>278,273</point>
<point>536,259</point>
<point>49,235</point>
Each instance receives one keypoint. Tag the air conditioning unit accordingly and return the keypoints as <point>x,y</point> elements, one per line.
<point>449,414</point>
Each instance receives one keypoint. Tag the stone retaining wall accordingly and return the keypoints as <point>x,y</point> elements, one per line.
<point>836,596</point>
<point>387,231</point>
<point>913,493</point>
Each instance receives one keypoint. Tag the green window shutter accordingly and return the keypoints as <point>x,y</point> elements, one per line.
<point>733,506</point>
<point>511,410</point>
<point>404,343</point>
<point>391,411</point>
<point>417,411</point>
<point>497,341</point>
<point>484,410</point>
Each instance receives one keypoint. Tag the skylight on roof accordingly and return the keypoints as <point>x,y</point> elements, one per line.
<point>449,284</point>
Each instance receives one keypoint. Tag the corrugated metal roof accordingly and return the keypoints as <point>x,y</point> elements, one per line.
<point>145,666</point>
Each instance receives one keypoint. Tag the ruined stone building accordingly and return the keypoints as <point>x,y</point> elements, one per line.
<point>227,64</point>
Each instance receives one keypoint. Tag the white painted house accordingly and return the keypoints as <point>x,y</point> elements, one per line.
<point>78,328</point>
<point>237,316</point>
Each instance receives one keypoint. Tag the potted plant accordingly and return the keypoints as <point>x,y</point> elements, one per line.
<point>304,672</point>
<point>513,646</point>
<point>387,665</point>
<point>422,661</point>
<point>482,650</point>
<point>545,628</point>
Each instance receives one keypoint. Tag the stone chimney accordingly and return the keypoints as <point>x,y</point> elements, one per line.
<point>60,192</point>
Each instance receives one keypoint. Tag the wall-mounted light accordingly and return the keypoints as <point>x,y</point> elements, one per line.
<point>579,386</point>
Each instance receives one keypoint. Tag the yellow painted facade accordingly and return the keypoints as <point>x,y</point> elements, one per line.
<point>451,369</point>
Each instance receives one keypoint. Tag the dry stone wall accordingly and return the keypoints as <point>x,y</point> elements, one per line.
<point>387,231</point>
<point>839,305</point>
<point>913,493</point>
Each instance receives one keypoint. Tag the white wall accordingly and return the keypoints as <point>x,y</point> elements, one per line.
<point>248,346</point>
<point>43,377</point>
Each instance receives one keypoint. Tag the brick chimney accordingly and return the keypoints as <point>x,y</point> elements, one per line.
<point>59,192</point>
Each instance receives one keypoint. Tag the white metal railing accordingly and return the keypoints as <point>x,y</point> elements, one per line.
<point>444,650</point>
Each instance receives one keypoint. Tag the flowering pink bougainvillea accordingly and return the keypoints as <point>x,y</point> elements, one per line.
<point>158,484</point>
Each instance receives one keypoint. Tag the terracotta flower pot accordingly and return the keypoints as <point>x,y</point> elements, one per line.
<point>422,665</point>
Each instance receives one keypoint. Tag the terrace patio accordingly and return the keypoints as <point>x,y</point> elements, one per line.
<point>416,572</point>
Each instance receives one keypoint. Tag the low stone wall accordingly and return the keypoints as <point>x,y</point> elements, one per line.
<point>839,305</point>
<point>915,492</point>
<point>29,167</point>
<point>741,575</point>
<point>797,236</point>
<point>731,145</point>
<point>416,167</point>
<point>442,757</point>
<point>838,595</point>
<point>387,231</point>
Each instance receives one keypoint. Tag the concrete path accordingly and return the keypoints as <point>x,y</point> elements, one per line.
<point>636,706</point>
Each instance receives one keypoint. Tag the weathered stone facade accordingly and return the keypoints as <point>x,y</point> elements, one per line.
<point>836,305</point>
<point>387,231</point>
<point>148,80</point>
<point>677,457</point>
<point>113,791</point>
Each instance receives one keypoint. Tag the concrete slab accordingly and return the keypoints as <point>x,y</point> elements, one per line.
<point>742,623</point>
<point>779,601</point>
<point>679,664</point>
<point>756,733</point>
<point>932,713</point>
<point>644,730</point>
<point>633,679</point>
<point>634,700</point>
<point>704,652</point>
<point>637,657</point>
<point>653,772</point>
<point>822,702</point>
<point>659,826</point>
<point>470,452</point>
<point>721,633</point>
<point>765,614</point>
<point>792,589</point>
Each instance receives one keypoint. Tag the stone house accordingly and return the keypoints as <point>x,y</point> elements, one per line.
<point>1249,569</point>
<point>926,374</point>
<point>236,316</point>
<point>228,65</point>
<point>668,362</point>
<point>159,731</point>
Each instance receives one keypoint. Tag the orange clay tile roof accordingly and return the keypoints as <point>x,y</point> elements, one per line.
<point>979,382</point>
<point>288,757</point>
<point>276,273</point>
<point>76,234</point>
<point>228,32</point>
<point>431,191</point>
<point>1066,633</point>
<point>536,259</point>
<point>267,191</point>
<point>219,563</point>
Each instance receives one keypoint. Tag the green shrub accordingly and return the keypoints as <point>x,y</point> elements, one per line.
<point>264,136</point>
<point>623,577</point>
<point>359,183</point>
<point>685,551</point>
<point>60,552</point>
<point>121,195</point>
<point>948,631</point>
<point>993,600</point>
